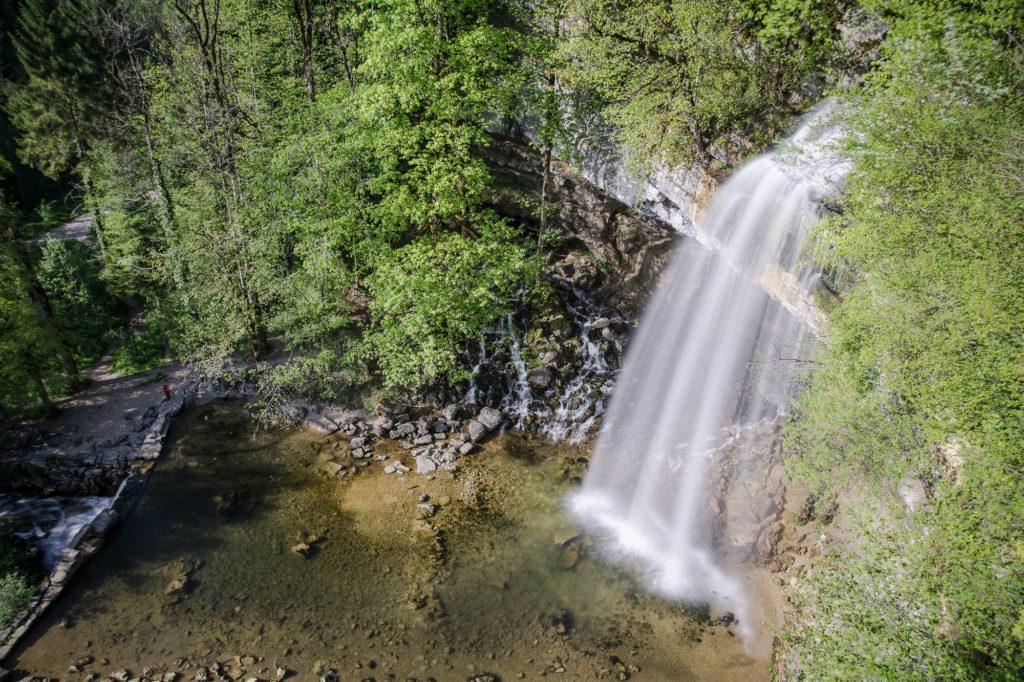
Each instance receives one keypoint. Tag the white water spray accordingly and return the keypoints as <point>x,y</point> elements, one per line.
<point>50,523</point>
<point>713,354</point>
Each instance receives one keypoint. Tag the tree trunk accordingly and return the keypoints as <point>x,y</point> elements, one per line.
<point>37,382</point>
<point>544,196</point>
<point>303,13</point>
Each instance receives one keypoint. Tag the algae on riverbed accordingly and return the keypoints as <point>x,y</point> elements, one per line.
<point>404,576</point>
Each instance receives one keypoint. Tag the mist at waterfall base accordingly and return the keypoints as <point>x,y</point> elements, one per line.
<point>716,353</point>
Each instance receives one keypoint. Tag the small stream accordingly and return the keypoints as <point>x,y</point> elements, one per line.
<point>49,523</point>
<point>495,577</point>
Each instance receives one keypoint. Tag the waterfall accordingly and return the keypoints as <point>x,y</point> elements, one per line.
<point>714,354</point>
<point>519,398</point>
<point>567,409</point>
<point>582,401</point>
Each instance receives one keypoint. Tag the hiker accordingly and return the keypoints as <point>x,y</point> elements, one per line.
<point>167,392</point>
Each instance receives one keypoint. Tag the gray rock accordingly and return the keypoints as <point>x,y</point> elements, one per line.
<point>320,424</point>
<point>476,431</point>
<point>103,522</point>
<point>425,439</point>
<point>357,443</point>
<point>490,418</point>
<point>600,323</point>
<point>466,448</point>
<point>293,412</point>
<point>913,492</point>
<point>406,428</point>
<point>539,377</point>
<point>425,465</point>
<point>332,468</point>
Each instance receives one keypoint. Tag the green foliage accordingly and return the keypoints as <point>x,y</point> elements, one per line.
<point>922,375</point>
<point>25,349</point>
<point>65,99</point>
<point>15,592</point>
<point>83,309</point>
<point>678,78</point>
<point>19,574</point>
<point>46,217</point>
<point>141,350</point>
<point>431,296</point>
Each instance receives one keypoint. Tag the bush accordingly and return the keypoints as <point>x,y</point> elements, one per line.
<point>20,572</point>
<point>15,591</point>
<point>143,349</point>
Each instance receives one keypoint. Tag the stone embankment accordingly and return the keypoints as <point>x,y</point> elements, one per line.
<point>117,466</point>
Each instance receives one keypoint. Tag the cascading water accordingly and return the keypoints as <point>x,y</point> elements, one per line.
<point>50,523</point>
<point>517,401</point>
<point>561,411</point>
<point>711,357</point>
<point>582,401</point>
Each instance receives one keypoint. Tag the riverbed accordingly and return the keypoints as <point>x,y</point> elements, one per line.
<point>244,552</point>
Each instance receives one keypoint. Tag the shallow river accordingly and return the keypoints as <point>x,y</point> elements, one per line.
<point>203,571</point>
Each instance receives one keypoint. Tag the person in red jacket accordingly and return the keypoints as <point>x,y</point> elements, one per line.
<point>167,392</point>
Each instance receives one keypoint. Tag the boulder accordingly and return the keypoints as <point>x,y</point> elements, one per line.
<point>357,443</point>
<point>425,465</point>
<point>294,413</point>
<point>476,431</point>
<point>539,377</point>
<point>913,492</point>
<point>320,424</point>
<point>466,448</point>
<point>490,418</point>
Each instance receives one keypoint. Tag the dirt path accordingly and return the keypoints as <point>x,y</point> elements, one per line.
<point>76,229</point>
<point>105,417</point>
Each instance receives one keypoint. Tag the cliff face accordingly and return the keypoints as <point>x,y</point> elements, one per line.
<point>627,249</point>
